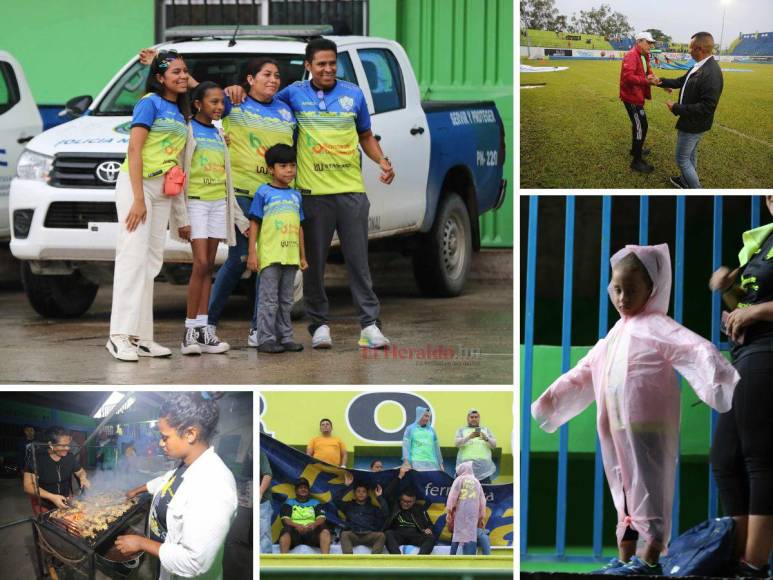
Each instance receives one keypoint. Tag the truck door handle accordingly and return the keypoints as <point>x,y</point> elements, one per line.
<point>417,130</point>
<point>377,137</point>
<point>21,140</point>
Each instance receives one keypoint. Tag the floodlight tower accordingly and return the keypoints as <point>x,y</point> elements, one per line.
<point>724,3</point>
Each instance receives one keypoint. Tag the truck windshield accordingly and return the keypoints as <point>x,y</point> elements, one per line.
<point>224,69</point>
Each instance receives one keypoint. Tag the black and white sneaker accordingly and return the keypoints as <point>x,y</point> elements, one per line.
<point>122,348</point>
<point>190,344</point>
<point>677,181</point>
<point>209,342</point>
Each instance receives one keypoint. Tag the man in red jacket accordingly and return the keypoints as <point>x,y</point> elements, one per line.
<point>635,79</point>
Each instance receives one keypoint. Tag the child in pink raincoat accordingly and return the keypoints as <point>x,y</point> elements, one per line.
<point>630,374</point>
<point>466,506</point>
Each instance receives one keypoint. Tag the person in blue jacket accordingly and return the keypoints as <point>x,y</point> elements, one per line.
<point>421,448</point>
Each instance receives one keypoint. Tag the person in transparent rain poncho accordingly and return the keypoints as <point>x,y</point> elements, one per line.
<point>466,507</point>
<point>421,448</point>
<point>631,376</point>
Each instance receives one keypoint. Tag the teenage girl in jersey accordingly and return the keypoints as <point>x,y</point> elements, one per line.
<point>157,138</point>
<point>212,211</point>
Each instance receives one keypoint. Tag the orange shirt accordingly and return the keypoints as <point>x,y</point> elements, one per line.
<point>328,449</point>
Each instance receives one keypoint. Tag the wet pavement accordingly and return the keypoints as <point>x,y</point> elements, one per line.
<point>463,340</point>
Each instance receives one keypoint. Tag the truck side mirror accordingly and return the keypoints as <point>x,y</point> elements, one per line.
<point>76,106</point>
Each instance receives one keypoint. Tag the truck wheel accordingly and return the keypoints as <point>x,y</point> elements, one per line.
<point>441,263</point>
<point>67,296</point>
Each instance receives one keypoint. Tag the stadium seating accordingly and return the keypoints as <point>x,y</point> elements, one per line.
<point>548,39</point>
<point>757,44</point>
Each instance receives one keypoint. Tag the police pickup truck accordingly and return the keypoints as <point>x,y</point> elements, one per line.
<point>448,158</point>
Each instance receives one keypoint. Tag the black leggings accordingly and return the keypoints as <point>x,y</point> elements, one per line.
<point>638,128</point>
<point>742,450</point>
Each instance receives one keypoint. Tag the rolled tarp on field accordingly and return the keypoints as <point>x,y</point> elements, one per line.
<point>525,68</point>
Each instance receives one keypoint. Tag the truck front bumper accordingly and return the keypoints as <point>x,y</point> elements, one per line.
<point>93,243</point>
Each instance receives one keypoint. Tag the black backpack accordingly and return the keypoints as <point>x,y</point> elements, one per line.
<point>705,550</point>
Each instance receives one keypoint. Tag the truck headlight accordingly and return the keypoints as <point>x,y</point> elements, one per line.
<point>34,166</point>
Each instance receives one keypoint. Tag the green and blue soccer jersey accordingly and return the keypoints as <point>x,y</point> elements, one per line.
<point>253,127</point>
<point>167,133</point>
<point>329,124</point>
<point>281,211</point>
<point>207,174</point>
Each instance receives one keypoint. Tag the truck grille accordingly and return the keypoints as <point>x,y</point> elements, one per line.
<point>81,170</point>
<point>78,214</point>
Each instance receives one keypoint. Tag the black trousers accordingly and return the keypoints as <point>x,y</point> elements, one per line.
<point>638,128</point>
<point>742,449</point>
<point>237,554</point>
<point>411,536</point>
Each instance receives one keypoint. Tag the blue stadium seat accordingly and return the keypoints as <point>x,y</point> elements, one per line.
<point>757,44</point>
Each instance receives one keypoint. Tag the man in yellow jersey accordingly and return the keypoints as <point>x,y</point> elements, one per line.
<point>327,448</point>
<point>333,124</point>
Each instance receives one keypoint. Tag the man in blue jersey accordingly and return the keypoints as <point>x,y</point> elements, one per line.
<point>333,120</point>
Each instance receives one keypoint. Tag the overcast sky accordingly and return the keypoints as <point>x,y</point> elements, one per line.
<point>682,18</point>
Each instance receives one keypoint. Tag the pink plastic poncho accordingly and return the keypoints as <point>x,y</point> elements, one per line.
<point>468,502</point>
<point>630,374</point>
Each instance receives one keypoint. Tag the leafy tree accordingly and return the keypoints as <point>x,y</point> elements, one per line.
<point>542,15</point>
<point>602,21</point>
<point>659,35</point>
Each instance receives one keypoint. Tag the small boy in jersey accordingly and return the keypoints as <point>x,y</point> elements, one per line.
<point>275,249</point>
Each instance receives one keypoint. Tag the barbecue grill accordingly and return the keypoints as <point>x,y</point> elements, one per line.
<point>62,539</point>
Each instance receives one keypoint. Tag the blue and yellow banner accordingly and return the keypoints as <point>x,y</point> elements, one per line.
<point>431,487</point>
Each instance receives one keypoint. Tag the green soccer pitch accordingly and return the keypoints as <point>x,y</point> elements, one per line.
<point>575,132</point>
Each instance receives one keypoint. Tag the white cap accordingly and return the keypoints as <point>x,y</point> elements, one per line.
<point>645,36</point>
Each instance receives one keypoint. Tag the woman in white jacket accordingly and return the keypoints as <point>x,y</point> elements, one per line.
<point>194,504</point>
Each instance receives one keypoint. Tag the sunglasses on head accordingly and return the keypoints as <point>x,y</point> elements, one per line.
<point>165,57</point>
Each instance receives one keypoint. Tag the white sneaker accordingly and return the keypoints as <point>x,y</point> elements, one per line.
<point>209,342</point>
<point>151,349</point>
<point>252,338</point>
<point>121,347</point>
<point>190,344</point>
<point>321,338</point>
<point>371,337</point>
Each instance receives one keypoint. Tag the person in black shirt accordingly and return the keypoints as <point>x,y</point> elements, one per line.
<point>364,519</point>
<point>742,448</point>
<point>55,467</point>
<point>408,523</point>
<point>23,450</point>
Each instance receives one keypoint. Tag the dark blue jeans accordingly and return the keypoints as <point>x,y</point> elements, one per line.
<point>470,548</point>
<point>230,272</point>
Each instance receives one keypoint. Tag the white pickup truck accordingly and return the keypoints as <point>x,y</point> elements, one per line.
<point>448,159</point>
<point>19,122</point>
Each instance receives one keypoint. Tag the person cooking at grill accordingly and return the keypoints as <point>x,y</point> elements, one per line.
<point>193,505</point>
<point>55,467</point>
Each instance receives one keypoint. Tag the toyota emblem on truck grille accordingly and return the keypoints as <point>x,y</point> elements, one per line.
<point>107,171</point>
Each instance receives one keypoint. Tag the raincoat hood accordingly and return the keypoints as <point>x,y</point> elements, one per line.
<point>419,414</point>
<point>657,262</point>
<point>464,469</point>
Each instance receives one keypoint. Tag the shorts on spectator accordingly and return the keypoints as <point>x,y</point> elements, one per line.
<point>207,219</point>
<point>309,538</point>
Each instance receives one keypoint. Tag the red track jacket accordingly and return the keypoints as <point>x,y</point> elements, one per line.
<point>634,87</point>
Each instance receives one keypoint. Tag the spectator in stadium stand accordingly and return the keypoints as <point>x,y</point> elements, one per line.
<point>409,524</point>
<point>475,444</point>
<point>266,511</point>
<point>421,449</point>
<point>23,448</point>
<point>304,521</point>
<point>364,519</point>
<point>699,92</point>
<point>635,79</point>
<point>327,448</point>
<point>376,465</point>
